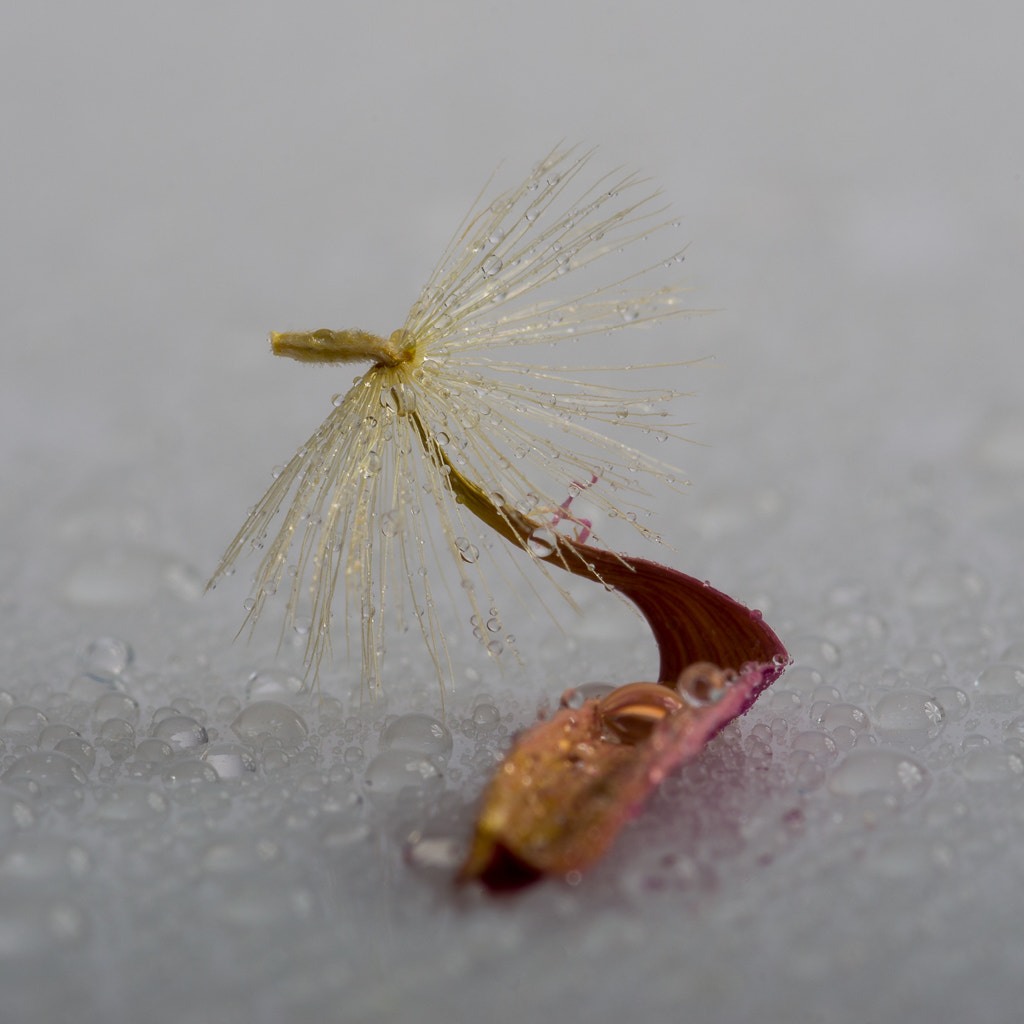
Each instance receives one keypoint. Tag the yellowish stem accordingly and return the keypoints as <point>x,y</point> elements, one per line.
<point>326,346</point>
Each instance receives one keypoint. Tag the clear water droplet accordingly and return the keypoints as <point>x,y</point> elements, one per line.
<point>418,734</point>
<point>43,772</point>
<point>24,724</point>
<point>989,765</point>
<point>371,465</point>
<point>468,551</point>
<point>486,717</point>
<point>106,656</point>
<point>182,732</point>
<point>909,717</point>
<point>999,688</point>
<point>899,779</point>
<point>230,760</point>
<point>269,719</point>
<point>542,542</point>
<point>392,771</point>
<point>844,716</point>
<point>116,705</point>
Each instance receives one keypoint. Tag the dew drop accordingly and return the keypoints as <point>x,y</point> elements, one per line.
<point>528,502</point>
<point>819,745</point>
<point>844,716</point>
<point>988,765</point>
<point>468,552</point>
<point>486,717</point>
<point>24,724</point>
<point>269,683</point>
<point>269,719</point>
<point>182,732</point>
<point>392,771</point>
<point>116,705</point>
<point>999,688</point>
<point>417,734</point>
<point>899,779</point>
<point>399,399</point>
<point>371,465</point>
<point>229,760</point>
<point>106,655</point>
<point>153,751</point>
<point>909,717</point>
<point>542,542</point>
<point>44,772</point>
<point>491,266</point>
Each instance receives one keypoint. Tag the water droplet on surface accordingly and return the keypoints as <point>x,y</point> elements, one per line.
<point>542,542</point>
<point>468,552</point>
<point>78,750</point>
<point>486,717</point>
<point>23,724</point>
<point>45,772</point>
<point>491,266</point>
<point>270,683</point>
<point>844,716</point>
<point>399,399</point>
<point>230,760</point>
<point>909,717</point>
<point>116,705</point>
<point>371,465</point>
<point>989,765</point>
<point>153,751</point>
<point>955,702</point>
<point>188,774</point>
<point>106,656</point>
<point>419,734</point>
<point>999,688</point>
<point>897,777</point>
<point>270,719</point>
<point>819,745</point>
<point>182,732</point>
<point>391,771</point>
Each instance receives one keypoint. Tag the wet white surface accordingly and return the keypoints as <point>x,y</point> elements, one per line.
<point>185,836</point>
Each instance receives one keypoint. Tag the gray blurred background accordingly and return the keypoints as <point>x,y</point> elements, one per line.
<point>177,180</point>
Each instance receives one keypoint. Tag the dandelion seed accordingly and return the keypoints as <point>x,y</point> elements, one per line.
<point>444,434</point>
